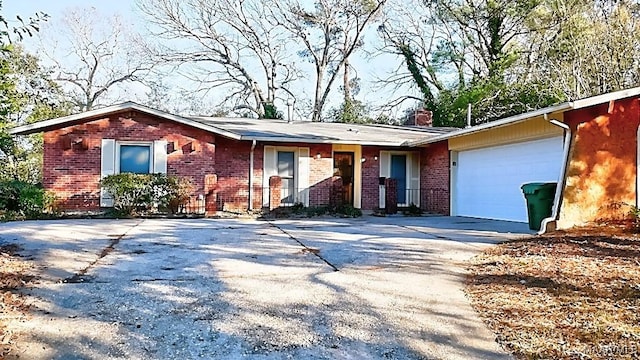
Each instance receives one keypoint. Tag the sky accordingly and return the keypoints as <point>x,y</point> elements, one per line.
<point>366,68</point>
<point>56,8</point>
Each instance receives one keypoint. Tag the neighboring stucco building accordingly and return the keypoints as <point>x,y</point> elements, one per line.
<point>588,146</point>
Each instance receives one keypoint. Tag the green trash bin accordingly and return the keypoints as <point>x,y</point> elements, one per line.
<point>540,198</point>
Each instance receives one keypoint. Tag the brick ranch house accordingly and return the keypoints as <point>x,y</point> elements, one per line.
<point>589,147</point>
<point>240,164</point>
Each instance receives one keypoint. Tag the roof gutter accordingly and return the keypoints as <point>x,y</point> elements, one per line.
<point>550,223</point>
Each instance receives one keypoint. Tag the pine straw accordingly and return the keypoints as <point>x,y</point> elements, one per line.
<point>13,276</point>
<point>573,295</point>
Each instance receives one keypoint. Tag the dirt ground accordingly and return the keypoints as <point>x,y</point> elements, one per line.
<point>566,295</point>
<point>372,288</point>
<point>14,275</point>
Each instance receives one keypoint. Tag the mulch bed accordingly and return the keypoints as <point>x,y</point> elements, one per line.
<point>13,276</point>
<point>566,295</point>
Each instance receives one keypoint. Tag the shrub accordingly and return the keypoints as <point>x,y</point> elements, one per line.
<point>135,193</point>
<point>297,208</point>
<point>344,210</point>
<point>316,211</point>
<point>347,210</point>
<point>634,214</point>
<point>172,192</point>
<point>130,192</point>
<point>619,213</point>
<point>412,210</point>
<point>23,200</point>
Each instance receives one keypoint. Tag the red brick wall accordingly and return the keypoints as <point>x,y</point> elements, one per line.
<point>602,166</point>
<point>434,178</point>
<point>258,161</point>
<point>74,174</point>
<point>370,176</point>
<point>320,172</point>
<point>232,165</point>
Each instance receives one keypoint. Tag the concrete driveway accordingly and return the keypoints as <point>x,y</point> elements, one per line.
<point>372,288</point>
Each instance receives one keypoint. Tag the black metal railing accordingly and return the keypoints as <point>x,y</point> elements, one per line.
<point>287,196</point>
<point>435,200</point>
<point>194,206</point>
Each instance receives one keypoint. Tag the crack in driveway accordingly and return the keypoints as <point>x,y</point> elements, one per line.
<point>81,276</point>
<point>306,249</point>
<point>425,232</point>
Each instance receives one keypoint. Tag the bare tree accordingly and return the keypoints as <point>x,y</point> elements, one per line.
<point>412,34</point>
<point>461,40</point>
<point>461,52</point>
<point>329,33</point>
<point>94,56</point>
<point>15,30</point>
<point>597,50</point>
<point>228,45</point>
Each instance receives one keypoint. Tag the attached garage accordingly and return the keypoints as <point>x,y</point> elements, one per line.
<point>486,181</point>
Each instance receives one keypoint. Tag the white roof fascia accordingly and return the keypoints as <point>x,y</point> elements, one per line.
<point>31,128</point>
<point>494,124</point>
<point>604,98</point>
<point>571,105</point>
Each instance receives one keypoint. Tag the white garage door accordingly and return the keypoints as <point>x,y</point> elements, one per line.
<point>487,181</point>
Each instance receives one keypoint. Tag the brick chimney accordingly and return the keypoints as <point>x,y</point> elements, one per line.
<point>421,118</point>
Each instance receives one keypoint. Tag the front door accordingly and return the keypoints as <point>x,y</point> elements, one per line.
<point>399,172</point>
<point>343,166</point>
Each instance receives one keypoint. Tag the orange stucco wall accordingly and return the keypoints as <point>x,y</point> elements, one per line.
<point>601,173</point>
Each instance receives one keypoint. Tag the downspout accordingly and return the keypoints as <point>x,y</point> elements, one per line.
<point>253,147</point>
<point>550,223</point>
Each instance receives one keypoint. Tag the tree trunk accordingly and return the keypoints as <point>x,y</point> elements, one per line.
<point>317,103</point>
<point>346,84</point>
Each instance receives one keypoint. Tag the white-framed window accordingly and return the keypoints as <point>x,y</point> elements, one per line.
<point>287,172</point>
<point>291,164</point>
<point>134,157</point>
<point>142,157</point>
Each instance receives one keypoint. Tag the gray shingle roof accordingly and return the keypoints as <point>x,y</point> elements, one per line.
<point>260,129</point>
<point>321,132</point>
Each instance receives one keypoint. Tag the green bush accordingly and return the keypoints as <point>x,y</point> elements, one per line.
<point>316,211</point>
<point>634,215</point>
<point>23,200</point>
<point>172,192</point>
<point>298,209</point>
<point>412,210</point>
<point>347,210</point>
<point>136,193</point>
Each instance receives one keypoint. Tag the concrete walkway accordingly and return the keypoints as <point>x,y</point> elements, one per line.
<point>320,289</point>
